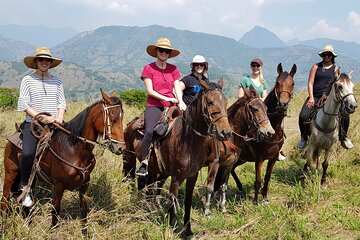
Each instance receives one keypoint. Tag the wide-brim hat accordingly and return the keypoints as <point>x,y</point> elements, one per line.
<point>44,52</point>
<point>162,43</point>
<point>328,48</point>
<point>257,60</point>
<point>200,59</point>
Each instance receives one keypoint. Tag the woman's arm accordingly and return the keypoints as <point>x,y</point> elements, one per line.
<point>311,79</point>
<point>179,87</point>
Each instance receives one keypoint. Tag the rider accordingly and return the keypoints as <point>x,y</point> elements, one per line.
<point>39,92</point>
<point>158,77</point>
<point>321,78</point>
<point>187,88</point>
<point>256,79</point>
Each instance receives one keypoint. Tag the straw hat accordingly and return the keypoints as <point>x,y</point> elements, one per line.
<point>30,61</point>
<point>200,59</point>
<point>328,48</point>
<point>162,43</point>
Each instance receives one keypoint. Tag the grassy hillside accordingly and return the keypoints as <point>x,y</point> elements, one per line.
<point>118,211</point>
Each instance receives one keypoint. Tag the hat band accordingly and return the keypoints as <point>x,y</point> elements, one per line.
<point>43,54</point>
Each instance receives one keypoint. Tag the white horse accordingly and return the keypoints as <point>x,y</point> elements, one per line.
<point>324,128</point>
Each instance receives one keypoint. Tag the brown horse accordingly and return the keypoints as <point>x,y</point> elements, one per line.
<point>182,151</point>
<point>258,151</point>
<point>249,121</point>
<point>68,159</point>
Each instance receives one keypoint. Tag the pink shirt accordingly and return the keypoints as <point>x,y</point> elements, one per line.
<point>162,81</point>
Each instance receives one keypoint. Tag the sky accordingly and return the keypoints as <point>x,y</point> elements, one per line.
<point>288,19</point>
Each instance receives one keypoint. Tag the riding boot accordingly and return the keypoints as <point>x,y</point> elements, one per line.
<point>143,169</point>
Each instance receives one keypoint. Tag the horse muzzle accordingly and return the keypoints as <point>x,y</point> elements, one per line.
<point>117,148</point>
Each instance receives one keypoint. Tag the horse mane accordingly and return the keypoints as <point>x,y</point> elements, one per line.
<point>233,109</point>
<point>345,77</point>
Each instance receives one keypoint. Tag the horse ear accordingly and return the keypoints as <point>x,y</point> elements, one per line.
<point>279,69</point>
<point>350,73</point>
<point>220,83</point>
<point>203,84</point>
<point>247,92</point>
<point>293,70</point>
<point>253,91</point>
<point>337,72</point>
<point>113,93</point>
<point>105,97</point>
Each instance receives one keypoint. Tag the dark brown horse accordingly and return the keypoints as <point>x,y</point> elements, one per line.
<point>249,121</point>
<point>68,159</point>
<point>182,151</point>
<point>258,151</point>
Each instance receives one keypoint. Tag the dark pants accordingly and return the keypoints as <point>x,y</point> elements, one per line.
<point>28,153</point>
<point>307,114</point>
<point>152,116</point>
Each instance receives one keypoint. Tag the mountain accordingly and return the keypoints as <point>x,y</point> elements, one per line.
<point>113,57</point>
<point>37,35</point>
<point>11,50</point>
<point>259,37</point>
<point>349,49</point>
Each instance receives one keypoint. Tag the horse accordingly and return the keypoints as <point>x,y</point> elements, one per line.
<point>248,119</point>
<point>67,158</point>
<point>277,103</point>
<point>181,154</point>
<point>324,128</point>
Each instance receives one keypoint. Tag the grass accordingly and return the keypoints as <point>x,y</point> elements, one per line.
<point>118,211</point>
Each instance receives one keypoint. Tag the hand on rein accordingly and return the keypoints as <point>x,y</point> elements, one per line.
<point>40,124</point>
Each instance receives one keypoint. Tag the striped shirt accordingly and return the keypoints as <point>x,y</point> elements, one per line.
<point>41,95</point>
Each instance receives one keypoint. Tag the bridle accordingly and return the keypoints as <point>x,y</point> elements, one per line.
<point>107,122</point>
<point>277,96</point>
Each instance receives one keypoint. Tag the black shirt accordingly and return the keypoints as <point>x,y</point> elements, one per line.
<point>323,80</point>
<point>192,87</point>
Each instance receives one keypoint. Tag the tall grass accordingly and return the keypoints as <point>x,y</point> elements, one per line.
<point>299,207</point>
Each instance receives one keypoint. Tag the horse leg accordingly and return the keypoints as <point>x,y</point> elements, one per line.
<point>269,169</point>
<point>223,188</point>
<point>57,196</point>
<point>236,178</point>
<point>190,185</point>
<point>129,164</point>
<point>257,183</point>
<point>212,171</point>
<point>84,209</point>
<point>325,165</point>
<point>174,191</point>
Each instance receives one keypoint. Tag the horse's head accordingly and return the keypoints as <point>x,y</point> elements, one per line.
<point>344,89</point>
<point>255,112</point>
<point>110,124</point>
<point>214,104</point>
<point>284,87</point>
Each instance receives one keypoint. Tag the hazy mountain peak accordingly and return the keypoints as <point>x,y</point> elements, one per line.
<point>260,37</point>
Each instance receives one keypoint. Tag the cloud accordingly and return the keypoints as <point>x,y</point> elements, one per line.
<point>353,19</point>
<point>285,33</point>
<point>323,29</point>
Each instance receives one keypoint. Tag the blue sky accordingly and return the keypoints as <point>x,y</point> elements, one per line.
<point>302,19</point>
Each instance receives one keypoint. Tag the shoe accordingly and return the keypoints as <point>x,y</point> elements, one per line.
<point>347,144</point>
<point>27,200</point>
<point>302,143</point>
<point>281,156</point>
<point>143,170</point>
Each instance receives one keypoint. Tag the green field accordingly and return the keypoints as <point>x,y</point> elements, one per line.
<point>119,211</point>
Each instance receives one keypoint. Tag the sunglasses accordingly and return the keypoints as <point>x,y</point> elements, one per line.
<point>255,65</point>
<point>327,55</point>
<point>198,64</point>
<point>41,59</point>
<point>167,51</point>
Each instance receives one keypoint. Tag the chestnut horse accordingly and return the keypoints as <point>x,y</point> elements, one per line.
<point>249,121</point>
<point>258,151</point>
<point>182,150</point>
<point>68,159</point>
<point>324,128</point>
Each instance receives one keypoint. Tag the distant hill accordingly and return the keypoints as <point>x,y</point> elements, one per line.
<point>11,50</point>
<point>349,49</point>
<point>113,56</point>
<point>259,37</point>
<point>37,35</point>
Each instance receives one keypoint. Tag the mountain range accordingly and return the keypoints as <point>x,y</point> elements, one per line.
<point>113,56</point>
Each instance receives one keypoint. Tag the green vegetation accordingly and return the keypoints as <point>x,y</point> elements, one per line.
<point>134,98</point>
<point>8,98</point>
<point>299,207</point>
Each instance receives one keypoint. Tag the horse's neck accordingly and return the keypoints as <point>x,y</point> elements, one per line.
<point>327,116</point>
<point>195,119</point>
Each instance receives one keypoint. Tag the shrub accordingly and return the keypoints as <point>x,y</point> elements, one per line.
<point>134,97</point>
<point>8,98</point>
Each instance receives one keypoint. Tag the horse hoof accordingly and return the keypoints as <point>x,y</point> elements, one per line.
<point>190,237</point>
